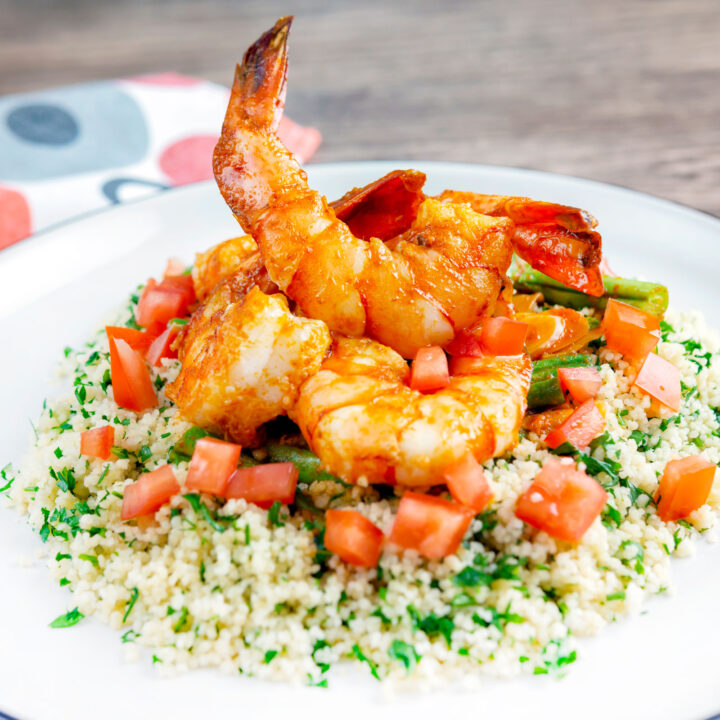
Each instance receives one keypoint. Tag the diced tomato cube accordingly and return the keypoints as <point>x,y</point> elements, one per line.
<point>354,538</point>
<point>431,525</point>
<point>500,336</point>
<point>465,344</point>
<point>630,331</point>
<point>183,284</point>
<point>580,429</point>
<point>149,492</point>
<point>132,386</point>
<point>160,304</point>
<point>174,267</point>
<point>583,383</point>
<point>429,370</point>
<point>97,442</point>
<point>263,485</point>
<point>212,463</point>
<point>562,501</point>
<point>139,340</point>
<point>467,483</point>
<point>661,380</point>
<point>684,487</point>
<point>161,346</point>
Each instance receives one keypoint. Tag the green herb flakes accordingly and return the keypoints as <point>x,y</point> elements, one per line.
<point>73,617</point>
<point>405,653</point>
<point>130,604</point>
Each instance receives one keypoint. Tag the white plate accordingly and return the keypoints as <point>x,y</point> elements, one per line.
<point>55,290</point>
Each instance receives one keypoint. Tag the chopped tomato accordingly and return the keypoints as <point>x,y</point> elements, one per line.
<point>431,525</point>
<point>684,487</point>
<point>583,383</point>
<point>353,537</point>
<point>465,344</point>
<point>149,492</point>
<point>97,442</point>
<point>467,483</point>
<point>160,302</point>
<point>500,336</point>
<point>139,340</point>
<point>661,380</point>
<point>174,267</point>
<point>182,284</point>
<point>132,386</point>
<point>630,331</point>
<point>562,501</point>
<point>213,462</point>
<point>161,346</point>
<point>429,370</point>
<point>263,485</point>
<point>580,429</point>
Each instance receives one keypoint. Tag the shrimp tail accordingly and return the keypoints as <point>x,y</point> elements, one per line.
<point>260,84</point>
<point>558,240</point>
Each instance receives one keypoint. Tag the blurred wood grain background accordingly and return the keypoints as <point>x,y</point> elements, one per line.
<point>623,91</point>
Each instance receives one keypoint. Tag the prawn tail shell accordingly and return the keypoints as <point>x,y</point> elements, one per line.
<point>260,84</point>
<point>572,258</point>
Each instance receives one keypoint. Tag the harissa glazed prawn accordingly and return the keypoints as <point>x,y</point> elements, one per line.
<point>414,272</point>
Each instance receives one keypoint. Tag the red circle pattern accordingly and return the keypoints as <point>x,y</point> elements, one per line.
<point>188,160</point>
<point>15,219</point>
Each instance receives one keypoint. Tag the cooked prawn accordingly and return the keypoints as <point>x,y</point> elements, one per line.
<point>558,240</point>
<point>237,258</point>
<point>244,357</point>
<point>434,280</point>
<point>366,425</point>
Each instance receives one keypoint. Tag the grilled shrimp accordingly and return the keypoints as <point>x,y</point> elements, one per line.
<point>558,240</point>
<point>244,357</point>
<point>235,262</point>
<point>366,425</point>
<point>419,291</point>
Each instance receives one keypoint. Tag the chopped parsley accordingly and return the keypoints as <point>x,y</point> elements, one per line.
<point>203,510</point>
<point>73,617</point>
<point>432,625</point>
<point>130,604</point>
<point>269,655</point>
<point>360,655</point>
<point>274,514</point>
<point>497,619</point>
<point>405,653</point>
<point>64,479</point>
<point>8,481</point>
<point>182,624</point>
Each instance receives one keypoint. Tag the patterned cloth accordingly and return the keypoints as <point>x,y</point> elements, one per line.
<point>67,151</point>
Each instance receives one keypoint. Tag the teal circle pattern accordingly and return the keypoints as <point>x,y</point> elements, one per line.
<point>69,131</point>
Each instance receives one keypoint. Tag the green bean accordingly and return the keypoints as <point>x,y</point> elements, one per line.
<point>545,392</point>
<point>545,388</point>
<point>650,297</point>
<point>308,464</point>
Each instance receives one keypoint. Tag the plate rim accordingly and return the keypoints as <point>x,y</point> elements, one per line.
<point>655,202</point>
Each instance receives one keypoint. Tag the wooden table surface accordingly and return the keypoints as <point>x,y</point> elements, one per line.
<point>623,91</point>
